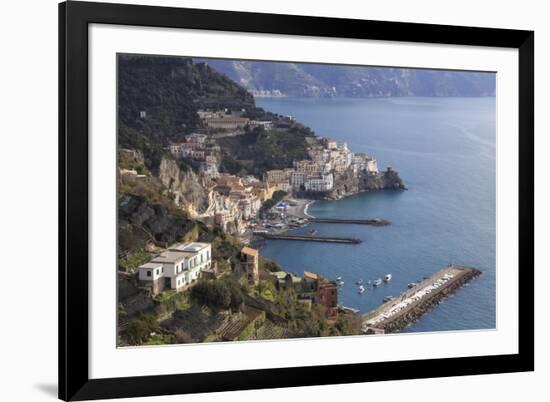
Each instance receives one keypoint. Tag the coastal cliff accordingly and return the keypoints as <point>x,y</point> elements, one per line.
<point>386,180</point>
<point>185,187</point>
<point>349,183</point>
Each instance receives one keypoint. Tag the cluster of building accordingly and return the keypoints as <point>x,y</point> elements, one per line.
<point>233,200</point>
<point>312,289</point>
<point>237,200</point>
<point>317,174</point>
<point>197,147</point>
<point>230,120</point>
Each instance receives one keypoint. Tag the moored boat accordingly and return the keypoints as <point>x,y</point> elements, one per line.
<point>377,282</point>
<point>387,278</point>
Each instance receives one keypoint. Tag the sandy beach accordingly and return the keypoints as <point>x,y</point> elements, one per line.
<point>300,209</point>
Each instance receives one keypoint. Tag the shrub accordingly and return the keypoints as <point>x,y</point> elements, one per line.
<point>133,260</point>
<point>218,294</point>
<point>139,329</point>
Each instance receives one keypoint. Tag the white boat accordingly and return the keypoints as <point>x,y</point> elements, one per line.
<point>360,289</point>
<point>412,285</point>
<point>387,278</point>
<point>338,278</point>
<point>340,283</point>
<point>377,282</point>
<point>359,282</point>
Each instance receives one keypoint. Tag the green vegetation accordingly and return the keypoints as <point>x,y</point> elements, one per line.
<point>268,265</point>
<point>268,204</point>
<point>171,301</point>
<point>223,244</point>
<point>139,329</point>
<point>138,166</point>
<point>342,326</point>
<point>218,294</point>
<point>250,332</point>
<point>132,260</point>
<point>267,290</point>
<point>169,90</point>
<point>258,151</point>
<point>191,235</point>
<point>160,339</point>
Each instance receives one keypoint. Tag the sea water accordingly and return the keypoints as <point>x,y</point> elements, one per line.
<point>445,151</point>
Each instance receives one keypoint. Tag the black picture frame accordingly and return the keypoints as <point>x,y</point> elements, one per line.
<point>74,18</point>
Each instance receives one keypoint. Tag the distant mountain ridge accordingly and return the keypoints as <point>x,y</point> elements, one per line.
<point>264,78</point>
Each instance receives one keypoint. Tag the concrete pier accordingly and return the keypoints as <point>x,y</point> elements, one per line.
<point>400,311</point>
<point>374,222</point>
<point>348,240</point>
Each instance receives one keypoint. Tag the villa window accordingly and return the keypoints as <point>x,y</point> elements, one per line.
<point>148,273</point>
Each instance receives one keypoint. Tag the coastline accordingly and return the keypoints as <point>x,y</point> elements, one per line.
<point>306,207</point>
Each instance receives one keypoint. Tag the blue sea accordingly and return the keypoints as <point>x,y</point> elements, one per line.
<point>444,149</point>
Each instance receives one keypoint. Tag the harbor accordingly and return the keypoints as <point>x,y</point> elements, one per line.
<point>324,239</point>
<point>445,218</point>
<point>374,222</point>
<point>398,312</point>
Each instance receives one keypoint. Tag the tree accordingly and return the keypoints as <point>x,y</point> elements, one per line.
<point>139,329</point>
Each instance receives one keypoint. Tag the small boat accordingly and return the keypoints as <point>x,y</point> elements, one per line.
<point>338,278</point>
<point>369,282</point>
<point>412,285</point>
<point>359,282</point>
<point>360,289</point>
<point>388,298</point>
<point>312,232</point>
<point>377,282</point>
<point>340,283</point>
<point>387,278</point>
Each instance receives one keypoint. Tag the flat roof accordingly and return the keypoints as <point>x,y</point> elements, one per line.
<point>169,256</point>
<point>188,247</point>
<point>150,265</point>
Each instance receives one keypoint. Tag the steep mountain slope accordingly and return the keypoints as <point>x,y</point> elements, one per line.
<point>307,79</point>
<point>158,98</point>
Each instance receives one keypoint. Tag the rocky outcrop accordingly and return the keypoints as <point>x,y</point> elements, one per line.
<point>348,183</point>
<point>141,222</point>
<point>386,180</point>
<point>186,187</point>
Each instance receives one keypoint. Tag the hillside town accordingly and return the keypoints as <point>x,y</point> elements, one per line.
<point>199,276</point>
<point>234,201</point>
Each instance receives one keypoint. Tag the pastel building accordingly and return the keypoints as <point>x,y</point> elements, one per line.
<point>319,183</point>
<point>177,267</point>
<point>248,264</point>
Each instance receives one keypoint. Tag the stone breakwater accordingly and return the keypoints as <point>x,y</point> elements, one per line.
<point>400,311</point>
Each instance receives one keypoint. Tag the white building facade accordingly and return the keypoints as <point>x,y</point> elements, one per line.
<point>177,267</point>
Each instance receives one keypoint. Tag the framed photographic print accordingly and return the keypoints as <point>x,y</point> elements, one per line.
<point>257,200</point>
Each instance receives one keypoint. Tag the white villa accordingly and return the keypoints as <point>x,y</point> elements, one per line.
<point>177,267</point>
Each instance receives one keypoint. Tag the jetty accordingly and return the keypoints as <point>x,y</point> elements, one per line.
<point>374,222</point>
<point>400,311</point>
<point>349,240</point>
